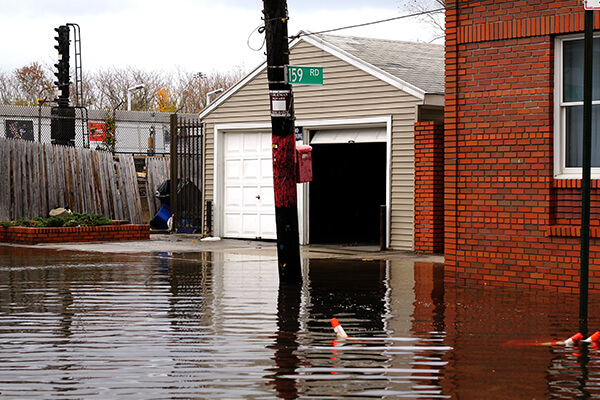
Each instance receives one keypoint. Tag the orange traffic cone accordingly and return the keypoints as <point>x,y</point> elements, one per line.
<point>594,338</point>
<point>572,341</point>
<point>339,331</point>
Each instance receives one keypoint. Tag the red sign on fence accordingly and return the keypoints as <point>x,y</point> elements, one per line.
<point>96,131</point>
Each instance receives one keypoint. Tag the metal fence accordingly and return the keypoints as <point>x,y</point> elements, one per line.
<point>187,174</point>
<point>137,132</point>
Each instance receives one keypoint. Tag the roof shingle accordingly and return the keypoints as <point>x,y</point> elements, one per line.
<point>420,64</point>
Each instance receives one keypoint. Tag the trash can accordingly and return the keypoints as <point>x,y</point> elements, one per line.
<point>161,218</point>
<point>163,192</point>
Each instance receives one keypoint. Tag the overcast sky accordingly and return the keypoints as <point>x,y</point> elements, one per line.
<point>195,35</point>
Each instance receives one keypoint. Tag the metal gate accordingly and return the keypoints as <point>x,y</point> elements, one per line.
<point>187,175</point>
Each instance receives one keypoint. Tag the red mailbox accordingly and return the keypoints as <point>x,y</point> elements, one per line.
<point>303,164</point>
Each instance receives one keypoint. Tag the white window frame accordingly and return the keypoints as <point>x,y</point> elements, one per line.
<point>561,171</point>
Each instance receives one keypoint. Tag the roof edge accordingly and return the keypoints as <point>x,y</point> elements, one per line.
<point>232,90</point>
<point>361,64</point>
<point>335,51</point>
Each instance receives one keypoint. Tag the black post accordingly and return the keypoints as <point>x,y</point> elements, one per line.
<point>586,171</point>
<point>174,201</point>
<point>283,142</point>
<point>209,214</point>
<point>382,230</point>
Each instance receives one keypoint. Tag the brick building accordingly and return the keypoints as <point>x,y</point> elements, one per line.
<point>512,144</point>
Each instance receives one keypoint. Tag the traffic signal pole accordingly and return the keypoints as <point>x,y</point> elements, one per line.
<point>62,124</point>
<point>283,142</point>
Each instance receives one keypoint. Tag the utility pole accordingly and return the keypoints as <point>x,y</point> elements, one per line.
<point>283,142</point>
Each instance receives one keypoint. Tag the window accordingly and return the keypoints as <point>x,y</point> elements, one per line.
<point>569,107</point>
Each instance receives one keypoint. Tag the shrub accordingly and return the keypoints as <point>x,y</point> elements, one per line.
<point>72,220</point>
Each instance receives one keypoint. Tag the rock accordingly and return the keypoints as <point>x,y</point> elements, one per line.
<point>59,212</point>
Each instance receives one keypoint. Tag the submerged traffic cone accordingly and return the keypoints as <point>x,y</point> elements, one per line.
<point>572,341</point>
<point>339,331</point>
<point>594,338</point>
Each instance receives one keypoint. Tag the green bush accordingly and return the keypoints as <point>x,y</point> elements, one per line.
<point>72,220</point>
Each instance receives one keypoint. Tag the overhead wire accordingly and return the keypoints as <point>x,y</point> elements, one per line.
<point>418,14</point>
<point>261,27</point>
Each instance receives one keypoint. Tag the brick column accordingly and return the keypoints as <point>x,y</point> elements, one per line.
<point>429,187</point>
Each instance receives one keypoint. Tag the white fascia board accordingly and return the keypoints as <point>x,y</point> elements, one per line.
<point>232,90</point>
<point>363,65</point>
<point>434,100</point>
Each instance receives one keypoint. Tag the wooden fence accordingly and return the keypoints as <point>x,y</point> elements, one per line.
<point>157,170</point>
<point>35,178</point>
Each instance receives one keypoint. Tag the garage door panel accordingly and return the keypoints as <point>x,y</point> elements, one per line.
<point>234,145</point>
<point>251,169</point>
<point>267,226</point>
<point>251,198</point>
<point>250,224</point>
<point>233,224</point>
<point>267,197</point>
<point>252,144</point>
<point>266,169</point>
<point>233,197</point>
<point>233,170</point>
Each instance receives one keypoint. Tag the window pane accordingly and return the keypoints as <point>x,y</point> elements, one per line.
<point>573,70</point>
<point>574,136</point>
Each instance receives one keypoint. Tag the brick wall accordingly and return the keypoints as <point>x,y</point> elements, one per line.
<point>28,236</point>
<point>429,187</point>
<point>507,220</point>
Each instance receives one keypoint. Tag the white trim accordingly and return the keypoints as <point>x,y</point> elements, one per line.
<point>560,171</point>
<point>335,51</point>
<point>434,100</point>
<point>362,65</point>
<point>303,206</point>
<point>232,90</point>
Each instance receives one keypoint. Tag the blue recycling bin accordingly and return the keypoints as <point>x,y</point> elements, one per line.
<point>162,216</point>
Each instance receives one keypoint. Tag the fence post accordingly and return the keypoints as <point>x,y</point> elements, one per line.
<point>174,171</point>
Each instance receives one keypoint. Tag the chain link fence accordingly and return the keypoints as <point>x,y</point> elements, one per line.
<point>136,132</point>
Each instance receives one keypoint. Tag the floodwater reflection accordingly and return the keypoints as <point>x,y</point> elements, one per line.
<point>215,325</point>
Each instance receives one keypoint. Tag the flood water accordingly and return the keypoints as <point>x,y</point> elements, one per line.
<point>218,326</point>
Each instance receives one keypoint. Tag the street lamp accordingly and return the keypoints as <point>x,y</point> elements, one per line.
<point>131,89</point>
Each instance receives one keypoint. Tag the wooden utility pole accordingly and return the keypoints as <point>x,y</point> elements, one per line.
<point>283,142</point>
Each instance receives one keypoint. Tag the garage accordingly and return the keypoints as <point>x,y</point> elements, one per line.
<point>361,125</point>
<point>348,187</point>
<point>248,199</point>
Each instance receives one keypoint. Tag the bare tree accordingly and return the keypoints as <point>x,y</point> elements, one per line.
<point>7,90</point>
<point>435,19</point>
<point>107,88</point>
<point>193,88</point>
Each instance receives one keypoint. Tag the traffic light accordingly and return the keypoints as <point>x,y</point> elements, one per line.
<point>62,66</point>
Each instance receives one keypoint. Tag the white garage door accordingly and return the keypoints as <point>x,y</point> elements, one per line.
<point>249,207</point>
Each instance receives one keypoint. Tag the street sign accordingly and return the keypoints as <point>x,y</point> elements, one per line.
<point>304,75</point>
<point>591,4</point>
<point>280,103</point>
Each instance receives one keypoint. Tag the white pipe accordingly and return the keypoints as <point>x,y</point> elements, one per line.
<point>211,93</point>
<point>129,90</point>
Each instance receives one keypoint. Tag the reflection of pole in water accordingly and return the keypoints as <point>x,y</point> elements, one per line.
<point>569,373</point>
<point>286,342</point>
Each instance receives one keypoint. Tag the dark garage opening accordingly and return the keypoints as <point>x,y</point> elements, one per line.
<point>346,193</point>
